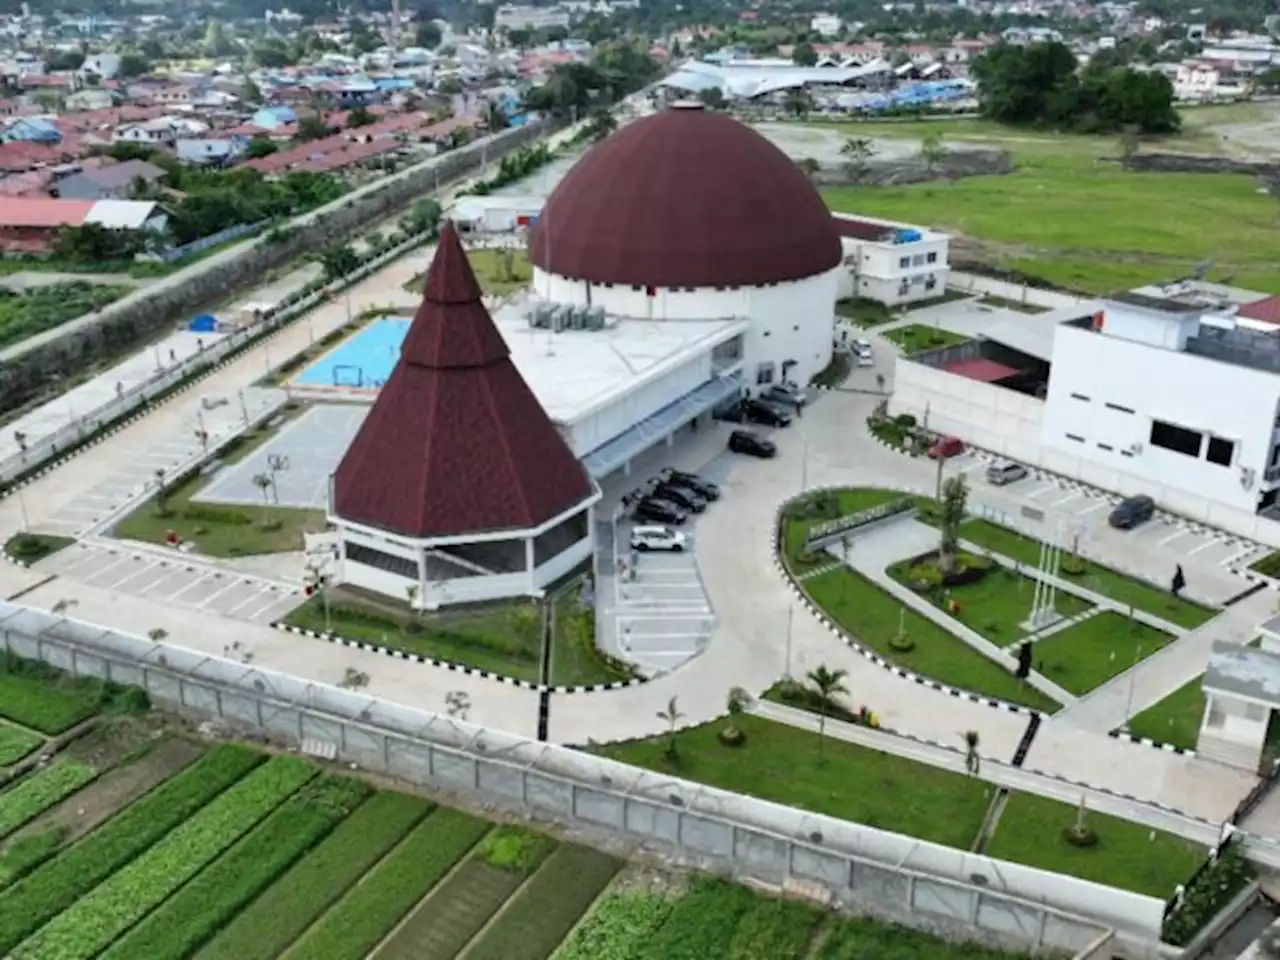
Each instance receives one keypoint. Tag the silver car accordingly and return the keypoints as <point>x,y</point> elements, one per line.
<point>999,474</point>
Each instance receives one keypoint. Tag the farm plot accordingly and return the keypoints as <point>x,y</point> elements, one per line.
<point>195,913</point>
<point>16,743</point>
<point>373,907</point>
<point>297,899</point>
<point>774,928</point>
<point>33,795</point>
<point>620,926</point>
<point>35,702</point>
<point>59,883</point>
<point>532,925</point>
<point>116,904</point>
<point>702,924</point>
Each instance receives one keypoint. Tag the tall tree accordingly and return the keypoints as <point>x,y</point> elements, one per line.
<point>827,684</point>
<point>955,496</point>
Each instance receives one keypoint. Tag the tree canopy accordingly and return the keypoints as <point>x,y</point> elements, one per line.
<point>1041,84</point>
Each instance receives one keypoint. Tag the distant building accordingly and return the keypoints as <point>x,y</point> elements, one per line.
<point>117,182</point>
<point>105,66</point>
<point>32,130</point>
<point>215,151</point>
<point>31,225</point>
<point>826,24</point>
<point>530,18</point>
<point>892,263</point>
<point>270,118</point>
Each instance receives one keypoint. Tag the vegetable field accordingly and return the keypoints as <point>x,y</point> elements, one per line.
<point>34,311</point>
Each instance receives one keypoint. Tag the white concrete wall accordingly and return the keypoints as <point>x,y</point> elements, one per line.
<point>1225,400</point>
<point>1019,292</point>
<point>790,321</point>
<point>595,429</point>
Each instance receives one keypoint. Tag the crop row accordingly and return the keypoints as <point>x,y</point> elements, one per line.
<point>16,743</point>
<point>116,904</point>
<point>772,929</point>
<point>618,928</point>
<point>194,914</point>
<point>365,915</point>
<point>296,900</point>
<point>545,910</point>
<point>33,795</point>
<point>52,888</point>
<point>35,703</point>
<point>857,939</point>
<point>701,924</point>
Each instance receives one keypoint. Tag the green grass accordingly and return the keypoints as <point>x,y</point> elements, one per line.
<point>371,909</point>
<point>575,658</point>
<point>537,918</point>
<point>702,923</point>
<point>864,312</point>
<point>917,337</point>
<point>619,926</point>
<point>1085,655</point>
<point>205,905</point>
<point>1126,855</point>
<point>1120,587</point>
<point>1268,566</point>
<point>873,618</point>
<point>864,939</point>
<point>218,530</point>
<point>1175,720</point>
<point>780,763</point>
<point>995,606</point>
<point>34,547</point>
<point>835,372</point>
<point>795,527</point>
<point>38,791</point>
<point>296,900</point>
<point>42,308</point>
<point>31,701</point>
<point>1062,203</point>
<point>774,928</point>
<point>493,282</point>
<point>52,888</point>
<point>26,851</point>
<point>16,743</point>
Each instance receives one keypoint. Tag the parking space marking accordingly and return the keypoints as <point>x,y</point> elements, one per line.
<point>1173,536</point>
<point>1041,491</point>
<point>1073,495</point>
<point>1235,558</point>
<point>1204,546</point>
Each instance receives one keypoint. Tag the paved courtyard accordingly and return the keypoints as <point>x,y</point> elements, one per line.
<point>305,453</point>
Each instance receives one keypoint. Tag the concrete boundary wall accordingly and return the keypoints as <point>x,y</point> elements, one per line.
<point>923,885</point>
<point>1008,424</point>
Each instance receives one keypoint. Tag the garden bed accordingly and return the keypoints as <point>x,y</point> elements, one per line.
<point>1175,720</point>
<point>917,337</point>
<point>865,313</point>
<point>30,548</point>
<point>818,507</point>
<point>1082,657</point>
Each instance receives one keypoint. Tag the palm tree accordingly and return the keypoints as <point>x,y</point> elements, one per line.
<point>671,716</point>
<point>263,482</point>
<point>736,705</point>
<point>827,684</point>
<point>162,495</point>
<point>972,762</point>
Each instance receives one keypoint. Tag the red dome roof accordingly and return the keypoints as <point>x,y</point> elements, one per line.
<point>685,198</point>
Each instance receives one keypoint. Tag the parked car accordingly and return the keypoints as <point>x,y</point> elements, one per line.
<point>999,474</point>
<point>703,488</point>
<point>787,394</point>
<point>752,444</point>
<point>1132,512</point>
<point>944,448</point>
<point>860,347</point>
<point>865,360</point>
<point>768,414</point>
<point>680,496</point>
<point>658,538</point>
<point>658,511</point>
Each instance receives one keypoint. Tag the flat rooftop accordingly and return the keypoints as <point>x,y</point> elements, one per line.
<point>1168,304</point>
<point>1245,672</point>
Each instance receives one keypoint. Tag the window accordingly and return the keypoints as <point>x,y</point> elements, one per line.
<point>369,557</point>
<point>1221,451</point>
<point>917,260</point>
<point>1106,446</point>
<point>930,283</point>
<point>904,262</point>
<point>1170,436</point>
<point>764,374</point>
<point>1079,396</point>
<point>1126,453</point>
<point>903,289</point>
<point>1072,436</point>
<point>1119,409</point>
<point>931,258</point>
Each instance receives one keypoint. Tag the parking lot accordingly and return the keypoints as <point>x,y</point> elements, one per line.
<point>173,579</point>
<point>1077,509</point>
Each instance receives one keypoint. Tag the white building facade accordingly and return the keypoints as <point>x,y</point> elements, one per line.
<point>892,263</point>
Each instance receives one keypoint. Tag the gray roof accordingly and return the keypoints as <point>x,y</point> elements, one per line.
<point>1244,672</point>
<point>123,174</point>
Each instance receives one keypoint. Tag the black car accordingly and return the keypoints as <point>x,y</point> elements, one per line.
<point>744,441</point>
<point>691,481</point>
<point>659,511</point>
<point>768,413</point>
<point>680,496</point>
<point>1131,512</point>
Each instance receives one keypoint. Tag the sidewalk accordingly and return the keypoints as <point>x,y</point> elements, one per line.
<point>993,771</point>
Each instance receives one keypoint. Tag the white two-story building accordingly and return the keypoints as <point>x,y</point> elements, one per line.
<point>892,263</point>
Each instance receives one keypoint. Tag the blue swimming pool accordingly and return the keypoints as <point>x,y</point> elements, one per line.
<point>364,360</point>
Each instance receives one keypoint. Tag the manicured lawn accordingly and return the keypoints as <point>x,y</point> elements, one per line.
<point>1004,303</point>
<point>490,272</point>
<point>33,547</point>
<point>1127,855</point>
<point>916,338</point>
<point>575,659</point>
<point>864,312</point>
<point>780,763</point>
<point>1061,203</point>
<point>997,605</point>
<point>1087,654</point>
<point>873,618</point>
<point>1268,566</point>
<point>218,530</point>
<point>1120,587</point>
<point>1175,720</point>
<point>795,529</point>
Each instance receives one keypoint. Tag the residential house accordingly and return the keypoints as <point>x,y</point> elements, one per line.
<point>890,262</point>
<point>212,152</point>
<point>116,182</point>
<point>826,24</point>
<point>32,130</point>
<point>271,118</point>
<point>104,66</point>
<point>91,98</point>
<point>171,95</point>
<point>160,132</point>
<point>31,225</point>
<point>529,18</point>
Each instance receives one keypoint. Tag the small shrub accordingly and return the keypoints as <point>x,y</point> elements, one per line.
<point>1072,566</point>
<point>731,737</point>
<point>907,421</point>
<point>924,577</point>
<point>901,644</point>
<point>1079,836</point>
<point>514,849</point>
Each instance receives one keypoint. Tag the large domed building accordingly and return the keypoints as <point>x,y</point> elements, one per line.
<point>691,215</point>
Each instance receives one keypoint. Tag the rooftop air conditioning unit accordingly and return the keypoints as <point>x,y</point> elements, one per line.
<point>580,318</point>
<point>595,318</point>
<point>558,318</point>
<point>540,316</point>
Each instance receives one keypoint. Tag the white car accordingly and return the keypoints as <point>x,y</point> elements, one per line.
<point>861,347</point>
<point>658,538</point>
<point>866,360</point>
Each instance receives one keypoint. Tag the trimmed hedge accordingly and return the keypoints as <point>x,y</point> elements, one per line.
<point>56,885</point>
<point>203,906</point>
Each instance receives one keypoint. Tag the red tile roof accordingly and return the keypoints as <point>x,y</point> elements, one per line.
<point>43,212</point>
<point>1266,311</point>
<point>456,442</point>
<point>982,370</point>
<point>685,198</point>
<point>861,229</point>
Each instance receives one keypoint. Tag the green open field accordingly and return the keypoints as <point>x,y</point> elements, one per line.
<point>490,273</point>
<point>1076,222</point>
<point>138,841</point>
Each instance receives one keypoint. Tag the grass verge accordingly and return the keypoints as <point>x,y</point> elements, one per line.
<point>1085,655</point>
<point>1175,720</point>
<point>16,743</point>
<point>31,548</point>
<point>916,338</point>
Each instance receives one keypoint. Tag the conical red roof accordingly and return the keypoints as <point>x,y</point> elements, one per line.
<point>456,442</point>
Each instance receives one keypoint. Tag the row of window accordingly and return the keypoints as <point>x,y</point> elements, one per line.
<point>919,260</point>
<point>904,287</point>
<point>1110,406</point>
<point>1076,438</point>
<point>1178,439</point>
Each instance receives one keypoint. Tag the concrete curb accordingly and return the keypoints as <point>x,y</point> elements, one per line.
<point>14,561</point>
<point>1148,742</point>
<point>873,656</point>
<point>453,667</point>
